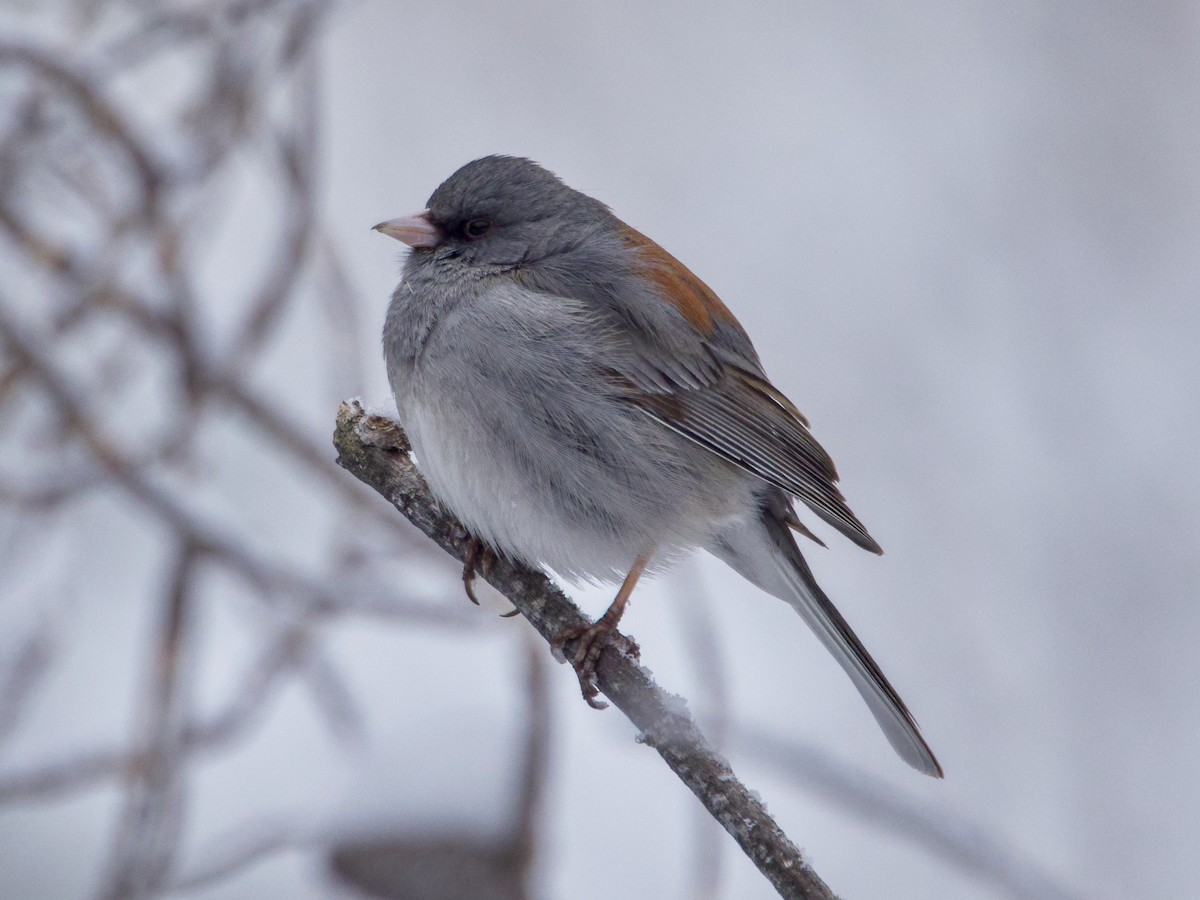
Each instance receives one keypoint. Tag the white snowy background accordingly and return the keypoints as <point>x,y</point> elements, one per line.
<point>966,241</point>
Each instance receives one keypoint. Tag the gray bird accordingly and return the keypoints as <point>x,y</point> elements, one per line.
<point>581,400</point>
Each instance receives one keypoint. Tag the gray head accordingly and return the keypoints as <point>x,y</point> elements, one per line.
<point>499,211</point>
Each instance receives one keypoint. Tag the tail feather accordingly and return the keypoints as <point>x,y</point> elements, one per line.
<point>767,555</point>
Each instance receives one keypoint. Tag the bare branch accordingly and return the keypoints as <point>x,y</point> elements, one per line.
<point>244,847</point>
<point>22,673</point>
<point>375,450</point>
<point>103,116</point>
<point>268,577</point>
<point>103,203</point>
<point>288,649</point>
<point>148,831</point>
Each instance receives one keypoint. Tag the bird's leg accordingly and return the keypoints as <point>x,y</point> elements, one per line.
<point>589,647</point>
<point>479,558</point>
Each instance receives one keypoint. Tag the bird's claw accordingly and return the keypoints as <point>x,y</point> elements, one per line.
<point>479,558</point>
<point>591,641</point>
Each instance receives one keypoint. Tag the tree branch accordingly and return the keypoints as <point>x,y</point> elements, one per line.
<point>375,450</point>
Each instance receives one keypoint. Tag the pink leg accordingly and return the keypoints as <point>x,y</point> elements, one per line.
<point>587,652</point>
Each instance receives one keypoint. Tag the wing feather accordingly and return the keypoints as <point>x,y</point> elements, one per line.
<point>739,419</point>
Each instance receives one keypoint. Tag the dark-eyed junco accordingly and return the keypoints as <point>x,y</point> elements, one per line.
<point>581,400</point>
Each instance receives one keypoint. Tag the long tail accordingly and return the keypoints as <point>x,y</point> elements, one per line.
<point>766,554</point>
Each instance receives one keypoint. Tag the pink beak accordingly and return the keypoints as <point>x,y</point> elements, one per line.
<point>415,230</point>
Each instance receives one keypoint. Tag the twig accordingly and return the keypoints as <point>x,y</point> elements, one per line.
<point>290,648</point>
<point>266,576</point>
<point>23,672</point>
<point>148,832</point>
<point>374,449</point>
<point>103,116</point>
<point>103,202</point>
<point>249,843</point>
<point>245,846</point>
<point>256,686</point>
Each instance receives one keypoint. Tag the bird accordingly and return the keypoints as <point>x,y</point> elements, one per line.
<point>582,401</point>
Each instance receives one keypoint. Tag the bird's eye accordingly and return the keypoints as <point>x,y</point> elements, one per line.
<point>477,228</point>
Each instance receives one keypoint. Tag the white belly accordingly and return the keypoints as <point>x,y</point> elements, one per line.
<point>493,501</point>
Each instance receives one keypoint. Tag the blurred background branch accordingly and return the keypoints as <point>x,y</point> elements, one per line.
<point>117,382</point>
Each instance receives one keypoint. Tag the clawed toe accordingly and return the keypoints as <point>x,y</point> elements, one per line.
<point>479,558</point>
<point>590,643</point>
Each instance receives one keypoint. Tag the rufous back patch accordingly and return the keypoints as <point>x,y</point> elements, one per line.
<point>679,285</point>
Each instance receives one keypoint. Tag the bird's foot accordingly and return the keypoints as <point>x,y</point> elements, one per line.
<point>591,640</point>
